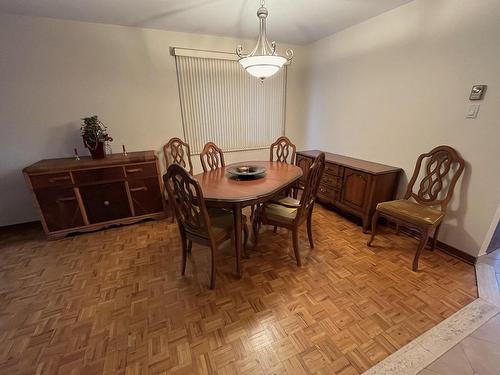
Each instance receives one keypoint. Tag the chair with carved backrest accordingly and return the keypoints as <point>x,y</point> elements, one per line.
<point>176,151</point>
<point>291,213</point>
<point>443,167</point>
<point>197,223</point>
<point>212,157</point>
<point>283,150</point>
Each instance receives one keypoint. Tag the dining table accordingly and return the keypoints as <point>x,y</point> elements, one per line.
<point>222,189</point>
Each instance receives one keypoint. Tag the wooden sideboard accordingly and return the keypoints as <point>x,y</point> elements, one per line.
<point>84,195</point>
<point>353,185</point>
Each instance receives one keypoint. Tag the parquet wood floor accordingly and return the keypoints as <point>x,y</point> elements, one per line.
<point>113,302</point>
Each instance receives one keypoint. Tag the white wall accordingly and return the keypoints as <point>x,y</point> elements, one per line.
<point>398,84</point>
<point>54,72</point>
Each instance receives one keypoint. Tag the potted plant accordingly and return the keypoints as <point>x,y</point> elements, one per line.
<point>94,134</point>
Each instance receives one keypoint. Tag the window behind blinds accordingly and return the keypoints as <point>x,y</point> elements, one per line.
<point>222,103</point>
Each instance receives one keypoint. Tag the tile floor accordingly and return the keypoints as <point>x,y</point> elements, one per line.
<point>478,353</point>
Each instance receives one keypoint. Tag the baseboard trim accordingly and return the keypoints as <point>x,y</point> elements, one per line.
<point>457,253</point>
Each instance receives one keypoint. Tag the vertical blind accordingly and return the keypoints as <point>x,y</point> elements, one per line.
<point>222,103</point>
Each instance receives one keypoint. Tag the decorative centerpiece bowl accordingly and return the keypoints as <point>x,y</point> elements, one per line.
<point>246,172</point>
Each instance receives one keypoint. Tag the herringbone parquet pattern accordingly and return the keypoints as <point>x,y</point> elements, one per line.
<point>113,302</point>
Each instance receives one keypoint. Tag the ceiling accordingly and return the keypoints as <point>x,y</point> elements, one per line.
<point>292,21</point>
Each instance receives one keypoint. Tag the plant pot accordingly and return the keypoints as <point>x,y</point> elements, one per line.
<point>96,152</point>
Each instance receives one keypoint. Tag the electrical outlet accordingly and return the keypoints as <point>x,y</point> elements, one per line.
<point>472,111</point>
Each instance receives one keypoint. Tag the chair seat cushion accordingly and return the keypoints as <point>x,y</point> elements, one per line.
<point>277,212</point>
<point>411,212</point>
<point>288,201</point>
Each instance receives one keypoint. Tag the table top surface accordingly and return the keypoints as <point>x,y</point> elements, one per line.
<point>217,185</point>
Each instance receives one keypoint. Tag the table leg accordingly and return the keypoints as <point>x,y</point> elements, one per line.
<point>237,236</point>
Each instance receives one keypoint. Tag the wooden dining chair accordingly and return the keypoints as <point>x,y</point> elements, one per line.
<point>176,151</point>
<point>209,227</point>
<point>443,167</point>
<point>212,157</point>
<point>291,213</point>
<point>283,150</point>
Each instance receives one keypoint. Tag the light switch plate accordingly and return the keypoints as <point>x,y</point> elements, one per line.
<point>472,111</point>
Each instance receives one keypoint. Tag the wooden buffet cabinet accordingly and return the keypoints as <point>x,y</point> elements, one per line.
<point>353,185</point>
<point>84,195</point>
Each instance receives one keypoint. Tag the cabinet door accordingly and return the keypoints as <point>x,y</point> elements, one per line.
<point>304,163</point>
<point>146,196</point>
<point>355,189</point>
<point>105,202</point>
<point>59,207</point>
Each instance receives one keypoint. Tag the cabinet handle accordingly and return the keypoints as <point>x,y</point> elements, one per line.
<point>62,178</point>
<point>138,189</point>
<point>106,203</point>
<point>66,199</point>
<point>134,170</point>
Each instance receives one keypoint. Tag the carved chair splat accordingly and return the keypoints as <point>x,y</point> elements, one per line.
<point>212,157</point>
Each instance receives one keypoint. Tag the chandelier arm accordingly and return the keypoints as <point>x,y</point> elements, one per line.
<point>239,51</point>
<point>273,48</point>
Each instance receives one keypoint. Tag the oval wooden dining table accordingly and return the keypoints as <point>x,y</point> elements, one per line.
<point>221,190</point>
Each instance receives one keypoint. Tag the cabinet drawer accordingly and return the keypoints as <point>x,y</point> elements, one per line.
<point>99,175</point>
<point>146,196</point>
<point>51,180</point>
<point>141,170</point>
<point>332,182</point>
<point>60,208</point>
<point>105,202</point>
<point>327,194</point>
<point>334,169</point>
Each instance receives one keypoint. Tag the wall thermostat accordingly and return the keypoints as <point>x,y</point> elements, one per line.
<point>477,92</point>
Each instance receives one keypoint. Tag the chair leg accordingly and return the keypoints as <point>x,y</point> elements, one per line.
<point>213,249</point>
<point>435,237</point>
<point>309,229</point>
<point>421,246</point>
<point>245,241</point>
<point>185,246</point>
<point>295,240</point>
<point>255,225</point>
<point>189,246</point>
<point>374,227</point>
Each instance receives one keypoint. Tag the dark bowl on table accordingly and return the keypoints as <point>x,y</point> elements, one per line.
<point>247,172</point>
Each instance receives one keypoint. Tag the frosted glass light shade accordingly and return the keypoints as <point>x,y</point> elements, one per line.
<point>262,66</point>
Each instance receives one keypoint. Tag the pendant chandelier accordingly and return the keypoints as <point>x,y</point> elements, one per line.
<point>263,61</point>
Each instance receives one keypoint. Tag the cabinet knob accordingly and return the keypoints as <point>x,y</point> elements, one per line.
<point>106,203</point>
